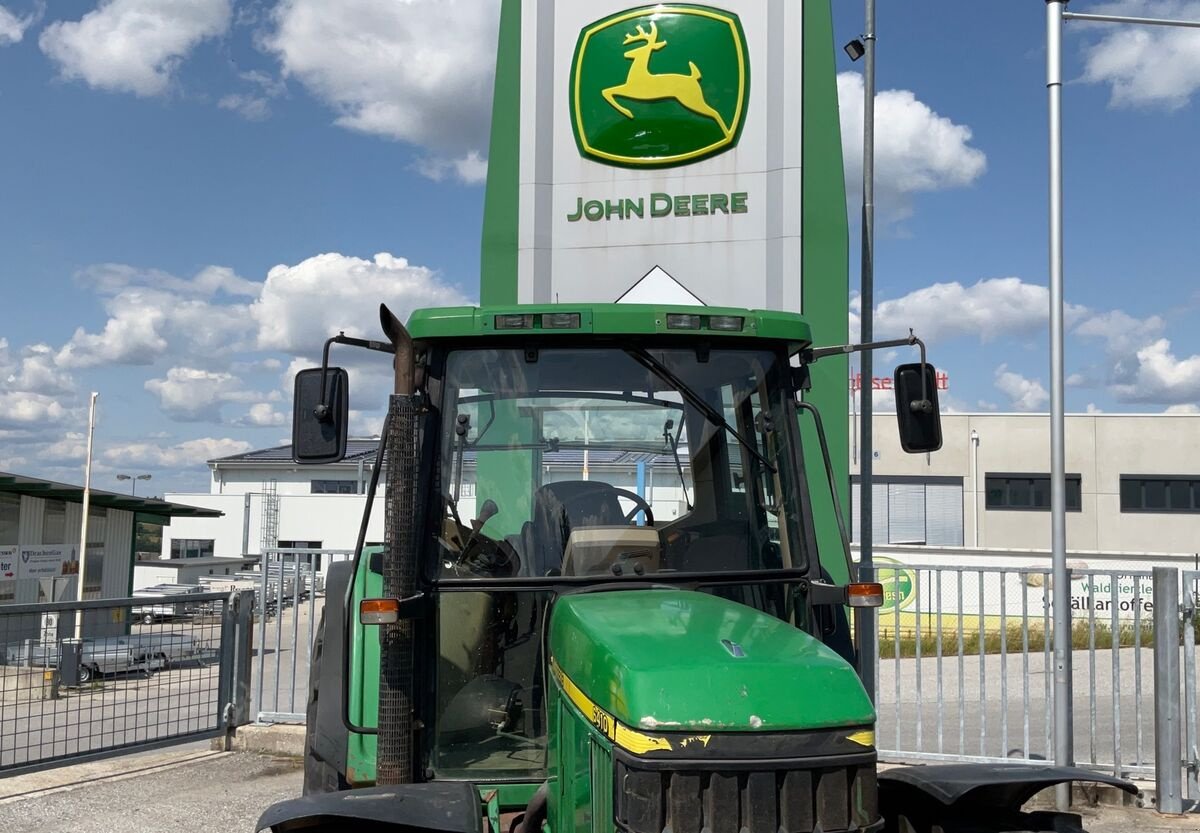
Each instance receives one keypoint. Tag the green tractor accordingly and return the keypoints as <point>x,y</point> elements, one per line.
<point>605,601</point>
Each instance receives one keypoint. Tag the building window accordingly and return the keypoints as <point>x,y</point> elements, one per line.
<point>1029,492</point>
<point>911,510</point>
<point>1160,493</point>
<point>54,522</point>
<point>192,548</point>
<point>334,487</point>
<point>10,519</point>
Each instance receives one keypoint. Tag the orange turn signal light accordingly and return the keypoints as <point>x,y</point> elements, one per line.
<point>379,611</point>
<point>864,594</point>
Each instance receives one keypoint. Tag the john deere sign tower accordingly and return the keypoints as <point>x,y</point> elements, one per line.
<point>671,153</point>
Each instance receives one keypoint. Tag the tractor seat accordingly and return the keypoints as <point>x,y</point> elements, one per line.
<point>559,508</point>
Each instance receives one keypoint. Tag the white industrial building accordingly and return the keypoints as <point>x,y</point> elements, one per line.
<point>1133,486</point>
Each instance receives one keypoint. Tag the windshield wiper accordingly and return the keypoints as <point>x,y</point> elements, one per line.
<point>643,357</point>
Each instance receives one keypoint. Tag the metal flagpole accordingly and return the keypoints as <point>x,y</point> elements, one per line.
<point>866,621</point>
<point>1061,588</point>
<point>83,529</point>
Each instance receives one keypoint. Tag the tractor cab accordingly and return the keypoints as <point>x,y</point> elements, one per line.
<point>610,519</point>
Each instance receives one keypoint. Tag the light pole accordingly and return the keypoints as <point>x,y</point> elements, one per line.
<point>133,479</point>
<point>1169,799</point>
<point>865,617</point>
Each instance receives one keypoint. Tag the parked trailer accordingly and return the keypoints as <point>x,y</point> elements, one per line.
<point>113,655</point>
<point>167,601</point>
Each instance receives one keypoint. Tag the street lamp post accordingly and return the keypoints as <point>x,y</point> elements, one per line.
<point>133,479</point>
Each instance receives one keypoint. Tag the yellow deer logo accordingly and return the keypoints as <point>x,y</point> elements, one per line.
<point>643,85</point>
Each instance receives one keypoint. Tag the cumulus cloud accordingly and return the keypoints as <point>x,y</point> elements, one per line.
<point>188,394</point>
<point>420,71</point>
<point>12,27</point>
<point>1146,66</point>
<point>988,309</point>
<point>916,149</point>
<point>34,371</point>
<point>300,306</point>
<point>152,314</point>
<point>1160,376</point>
<point>133,45</point>
<point>1025,394</point>
<point>25,409</point>
<point>264,415</point>
<point>189,453</point>
<point>1184,408</point>
<point>470,169</point>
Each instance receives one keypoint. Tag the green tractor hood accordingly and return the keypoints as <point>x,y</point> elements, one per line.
<point>676,660</point>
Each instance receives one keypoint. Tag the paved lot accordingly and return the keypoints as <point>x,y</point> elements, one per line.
<point>195,791</point>
<point>214,792</point>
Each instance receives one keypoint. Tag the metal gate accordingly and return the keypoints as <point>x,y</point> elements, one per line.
<point>291,596</point>
<point>1190,608</point>
<point>148,672</point>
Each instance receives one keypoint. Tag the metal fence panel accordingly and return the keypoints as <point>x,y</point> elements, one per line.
<point>290,598</point>
<point>967,645</point>
<point>1191,739</point>
<point>139,680</point>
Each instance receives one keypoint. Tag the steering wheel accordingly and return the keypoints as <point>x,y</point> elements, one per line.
<point>640,504</point>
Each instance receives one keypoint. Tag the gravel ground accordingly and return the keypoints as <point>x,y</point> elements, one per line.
<point>226,793</point>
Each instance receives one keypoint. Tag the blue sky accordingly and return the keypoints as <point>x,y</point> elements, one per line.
<point>193,194</point>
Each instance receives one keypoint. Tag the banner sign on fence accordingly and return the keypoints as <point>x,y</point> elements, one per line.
<point>8,563</point>
<point>44,561</point>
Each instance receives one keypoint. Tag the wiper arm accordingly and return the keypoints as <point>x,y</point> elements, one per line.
<point>643,357</point>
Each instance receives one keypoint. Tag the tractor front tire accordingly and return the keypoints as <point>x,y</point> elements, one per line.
<point>319,775</point>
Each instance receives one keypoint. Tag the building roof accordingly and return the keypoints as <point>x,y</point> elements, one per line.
<point>150,509</point>
<point>365,450</point>
<point>214,561</point>
<point>356,449</point>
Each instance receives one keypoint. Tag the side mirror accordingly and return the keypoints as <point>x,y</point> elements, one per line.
<point>917,413</point>
<point>320,423</point>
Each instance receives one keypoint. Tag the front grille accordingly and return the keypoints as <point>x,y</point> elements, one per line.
<point>788,799</point>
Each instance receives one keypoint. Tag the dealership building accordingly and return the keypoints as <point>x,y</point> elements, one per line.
<point>1133,486</point>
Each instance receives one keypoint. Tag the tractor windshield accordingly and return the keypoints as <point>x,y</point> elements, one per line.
<point>614,463</point>
<point>587,465</point>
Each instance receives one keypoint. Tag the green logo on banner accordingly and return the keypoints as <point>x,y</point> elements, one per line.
<point>660,86</point>
<point>899,583</point>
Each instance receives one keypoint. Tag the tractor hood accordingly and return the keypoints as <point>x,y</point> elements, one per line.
<point>677,660</point>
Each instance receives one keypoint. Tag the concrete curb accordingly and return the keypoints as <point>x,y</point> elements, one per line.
<point>278,740</point>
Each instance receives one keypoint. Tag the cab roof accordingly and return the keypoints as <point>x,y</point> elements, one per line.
<point>554,320</point>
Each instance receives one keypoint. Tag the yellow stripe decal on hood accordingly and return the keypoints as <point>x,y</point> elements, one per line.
<point>605,723</point>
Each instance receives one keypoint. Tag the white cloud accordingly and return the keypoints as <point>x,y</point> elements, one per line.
<point>470,169</point>
<point>989,309</point>
<point>153,314</point>
<point>1093,409</point>
<point>188,394</point>
<point>1184,408</point>
<point>264,415</point>
<point>249,107</point>
<point>12,27</point>
<point>302,305</point>
<point>1160,376</point>
<point>419,71</point>
<point>194,452</point>
<point>34,371</point>
<point>22,408</point>
<point>1144,65</point>
<point>916,149</point>
<point>1026,394</point>
<point>133,45</point>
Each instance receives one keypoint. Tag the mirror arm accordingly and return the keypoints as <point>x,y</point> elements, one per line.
<point>323,411</point>
<point>921,406</point>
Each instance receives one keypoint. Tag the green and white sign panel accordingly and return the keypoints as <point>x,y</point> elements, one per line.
<point>668,139</point>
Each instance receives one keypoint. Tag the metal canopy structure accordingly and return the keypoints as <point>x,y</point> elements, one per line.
<point>146,509</point>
